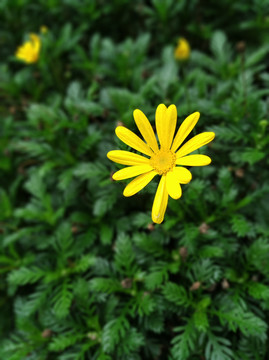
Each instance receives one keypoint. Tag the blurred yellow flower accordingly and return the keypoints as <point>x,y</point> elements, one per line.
<point>44,29</point>
<point>30,50</point>
<point>160,161</point>
<point>183,50</point>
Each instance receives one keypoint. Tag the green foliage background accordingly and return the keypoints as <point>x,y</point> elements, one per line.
<point>84,274</point>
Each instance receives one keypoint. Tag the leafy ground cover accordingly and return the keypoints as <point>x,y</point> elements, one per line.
<point>84,272</point>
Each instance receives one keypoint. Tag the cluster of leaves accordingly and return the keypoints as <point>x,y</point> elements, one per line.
<point>84,274</point>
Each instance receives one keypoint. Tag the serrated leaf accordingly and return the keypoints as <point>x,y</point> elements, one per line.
<point>113,332</point>
<point>175,293</point>
<point>252,156</point>
<point>25,275</point>
<point>62,300</point>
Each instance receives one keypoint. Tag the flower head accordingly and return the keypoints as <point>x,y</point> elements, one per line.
<point>182,51</point>
<point>161,159</point>
<point>30,50</point>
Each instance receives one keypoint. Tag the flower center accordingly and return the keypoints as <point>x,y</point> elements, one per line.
<point>163,161</point>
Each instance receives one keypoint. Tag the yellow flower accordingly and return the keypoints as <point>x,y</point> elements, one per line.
<point>161,160</point>
<point>30,50</point>
<point>182,51</point>
<point>44,29</point>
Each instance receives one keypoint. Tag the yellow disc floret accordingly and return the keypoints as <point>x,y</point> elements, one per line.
<point>163,161</point>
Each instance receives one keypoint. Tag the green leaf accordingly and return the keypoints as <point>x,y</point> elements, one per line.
<point>240,225</point>
<point>145,304</point>
<point>62,300</point>
<point>218,348</point>
<point>185,342</point>
<point>209,251</point>
<point>257,56</point>
<point>104,204</point>
<point>87,171</point>
<point>155,279</point>
<point>200,320</point>
<point>61,342</point>
<point>105,285</point>
<point>252,156</point>
<point>219,46</point>
<point>106,234</point>
<point>258,291</point>
<point>175,293</point>
<point>5,205</point>
<point>124,255</point>
<point>248,323</point>
<point>113,333</point>
<point>25,275</point>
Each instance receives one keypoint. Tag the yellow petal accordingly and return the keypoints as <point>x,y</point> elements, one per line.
<point>131,139</point>
<point>173,186</point>
<point>166,124</point>
<point>182,174</point>
<point>126,157</point>
<point>159,116</point>
<point>160,202</point>
<point>131,171</point>
<point>36,43</point>
<point>145,129</point>
<point>195,143</point>
<point>194,160</point>
<point>184,130</point>
<point>138,183</point>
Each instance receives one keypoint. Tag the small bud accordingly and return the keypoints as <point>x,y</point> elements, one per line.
<point>263,123</point>
<point>239,173</point>
<point>210,145</point>
<point>225,284</point>
<point>175,256</point>
<point>64,272</point>
<point>21,170</point>
<point>92,335</point>
<point>119,123</point>
<point>46,333</point>
<point>195,286</point>
<point>183,251</point>
<point>203,228</point>
<point>150,227</point>
<point>254,186</point>
<point>105,113</point>
<point>98,78</point>
<point>127,283</point>
<point>241,46</point>
<point>71,263</point>
<point>74,229</point>
<point>44,29</point>
<point>145,74</point>
<point>12,109</point>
